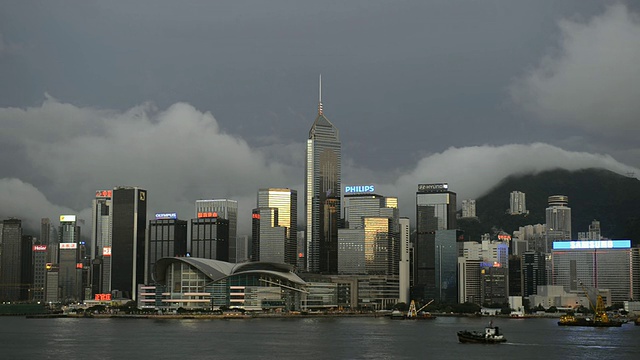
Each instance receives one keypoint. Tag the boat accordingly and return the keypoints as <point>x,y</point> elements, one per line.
<point>571,320</point>
<point>600,318</point>
<point>414,314</point>
<point>491,335</point>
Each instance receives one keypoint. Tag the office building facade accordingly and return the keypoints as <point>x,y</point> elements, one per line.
<point>101,240</point>
<point>322,194</point>
<point>435,210</point>
<point>167,237</point>
<point>596,264</point>
<point>210,238</point>
<point>69,265</point>
<point>128,230</point>
<point>10,268</point>
<point>285,216</point>
<point>228,210</point>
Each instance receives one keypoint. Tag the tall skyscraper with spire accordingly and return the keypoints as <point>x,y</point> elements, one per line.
<point>322,194</point>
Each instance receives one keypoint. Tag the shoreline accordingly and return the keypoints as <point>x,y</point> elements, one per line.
<point>263,316</point>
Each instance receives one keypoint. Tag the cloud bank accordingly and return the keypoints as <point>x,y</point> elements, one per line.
<point>59,154</point>
<point>591,81</point>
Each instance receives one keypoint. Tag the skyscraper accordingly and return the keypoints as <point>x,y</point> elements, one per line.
<point>435,210</point>
<point>558,216</point>
<point>70,268</point>
<point>10,269</point>
<point>101,241</point>
<point>224,209</point>
<point>369,244</point>
<point>128,240</point>
<point>285,203</point>
<point>210,238</point>
<point>322,194</point>
<point>167,238</point>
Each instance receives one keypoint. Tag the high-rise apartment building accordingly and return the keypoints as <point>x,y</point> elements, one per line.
<point>275,238</point>
<point>518,204</point>
<point>224,209</point>
<point>468,208</point>
<point>10,268</point>
<point>322,194</point>
<point>593,233</point>
<point>128,230</point>
<point>435,210</point>
<point>558,216</point>
<point>167,237</point>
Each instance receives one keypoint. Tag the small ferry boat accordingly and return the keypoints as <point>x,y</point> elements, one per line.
<point>491,335</point>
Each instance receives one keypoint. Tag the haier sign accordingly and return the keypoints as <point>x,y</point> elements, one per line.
<point>359,189</point>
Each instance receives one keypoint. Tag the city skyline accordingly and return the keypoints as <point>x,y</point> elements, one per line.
<point>74,122</point>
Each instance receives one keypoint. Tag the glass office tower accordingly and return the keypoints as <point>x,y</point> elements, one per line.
<point>224,209</point>
<point>435,210</point>
<point>322,194</point>
<point>129,225</point>
<point>285,201</point>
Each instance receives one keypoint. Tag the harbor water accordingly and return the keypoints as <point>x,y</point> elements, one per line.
<point>307,338</point>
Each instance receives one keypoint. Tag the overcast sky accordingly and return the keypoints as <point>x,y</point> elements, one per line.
<point>209,99</point>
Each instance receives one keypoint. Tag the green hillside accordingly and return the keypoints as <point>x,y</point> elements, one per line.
<point>594,194</point>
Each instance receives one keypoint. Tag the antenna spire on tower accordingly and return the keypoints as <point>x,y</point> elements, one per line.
<point>320,97</point>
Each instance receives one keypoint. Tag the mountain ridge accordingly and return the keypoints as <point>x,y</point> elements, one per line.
<point>594,194</point>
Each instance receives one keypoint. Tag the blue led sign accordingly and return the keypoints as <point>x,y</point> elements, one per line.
<point>591,244</point>
<point>359,189</point>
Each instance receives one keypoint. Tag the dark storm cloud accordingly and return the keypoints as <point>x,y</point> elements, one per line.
<point>420,90</point>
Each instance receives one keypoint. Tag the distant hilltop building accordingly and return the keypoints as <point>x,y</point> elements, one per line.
<point>518,204</point>
<point>593,233</point>
<point>468,208</point>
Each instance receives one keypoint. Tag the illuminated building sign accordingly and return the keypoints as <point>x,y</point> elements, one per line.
<point>106,251</point>
<point>48,266</point>
<point>255,216</point>
<point>504,237</point>
<point>79,266</point>
<point>68,246</point>
<point>104,193</point>
<point>160,216</point>
<point>207,215</point>
<point>67,218</point>
<point>486,264</point>
<point>103,297</point>
<point>591,244</point>
<point>359,189</point>
<point>433,187</point>
<point>39,247</point>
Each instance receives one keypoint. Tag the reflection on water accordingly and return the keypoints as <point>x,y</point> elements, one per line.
<point>307,338</point>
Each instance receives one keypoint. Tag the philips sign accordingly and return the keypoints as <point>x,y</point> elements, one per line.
<point>166,216</point>
<point>359,189</point>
